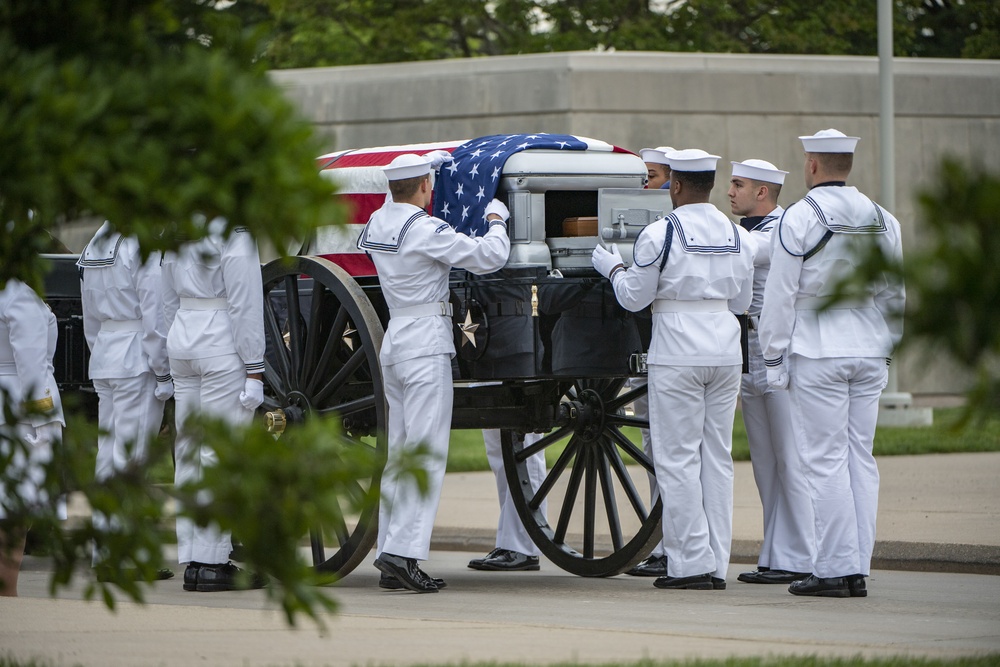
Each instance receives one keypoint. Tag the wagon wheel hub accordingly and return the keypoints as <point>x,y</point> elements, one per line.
<point>587,414</point>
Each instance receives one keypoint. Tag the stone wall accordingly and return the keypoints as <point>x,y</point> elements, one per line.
<point>736,106</point>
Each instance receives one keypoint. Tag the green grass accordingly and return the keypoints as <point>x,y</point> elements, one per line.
<point>467,454</point>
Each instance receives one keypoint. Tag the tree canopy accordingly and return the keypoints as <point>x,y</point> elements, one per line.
<point>152,114</point>
<point>309,33</point>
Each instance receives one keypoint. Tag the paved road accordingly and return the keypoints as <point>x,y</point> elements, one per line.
<point>537,617</point>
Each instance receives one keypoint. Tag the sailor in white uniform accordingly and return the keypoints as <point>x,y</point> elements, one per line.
<point>28,337</point>
<point>786,554</point>
<point>413,253</point>
<point>833,360</point>
<point>213,302</point>
<point>515,551</point>
<point>125,331</point>
<point>657,178</point>
<point>696,269</point>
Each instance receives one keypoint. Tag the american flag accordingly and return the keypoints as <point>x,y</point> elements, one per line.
<point>362,185</point>
<point>467,185</point>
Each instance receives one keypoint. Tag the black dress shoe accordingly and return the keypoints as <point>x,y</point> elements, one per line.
<point>829,587</point>
<point>505,560</point>
<point>856,585</point>
<point>654,566</point>
<point>476,562</point>
<point>191,576</point>
<point>391,583</point>
<point>224,577</point>
<point>407,572</point>
<point>698,582</point>
<point>718,584</point>
<point>767,576</point>
<point>104,574</point>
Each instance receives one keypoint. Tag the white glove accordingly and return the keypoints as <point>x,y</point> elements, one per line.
<point>164,390</point>
<point>253,394</point>
<point>438,158</point>
<point>498,207</point>
<point>606,261</point>
<point>777,376</point>
<point>46,434</point>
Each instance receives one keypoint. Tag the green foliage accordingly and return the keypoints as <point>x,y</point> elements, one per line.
<point>270,492</point>
<point>116,110</point>
<point>306,33</point>
<point>953,278</point>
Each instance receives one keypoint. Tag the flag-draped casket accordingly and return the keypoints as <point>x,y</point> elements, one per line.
<point>547,313</point>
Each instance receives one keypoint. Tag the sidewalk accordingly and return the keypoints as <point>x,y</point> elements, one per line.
<point>937,512</point>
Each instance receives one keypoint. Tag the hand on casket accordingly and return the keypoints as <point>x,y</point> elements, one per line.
<point>606,261</point>
<point>497,207</point>
<point>438,158</point>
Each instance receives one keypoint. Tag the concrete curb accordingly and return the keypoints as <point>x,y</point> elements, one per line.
<point>888,555</point>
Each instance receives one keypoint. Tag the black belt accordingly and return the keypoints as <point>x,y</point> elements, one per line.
<point>507,308</point>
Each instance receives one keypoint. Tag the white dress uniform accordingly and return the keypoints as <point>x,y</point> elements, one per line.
<point>214,309</point>
<point>788,519</point>
<point>127,336</point>
<point>28,335</point>
<point>836,360</point>
<point>695,267</point>
<point>413,254</point>
<point>511,533</point>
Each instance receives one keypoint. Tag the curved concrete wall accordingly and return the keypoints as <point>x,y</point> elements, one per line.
<point>736,106</point>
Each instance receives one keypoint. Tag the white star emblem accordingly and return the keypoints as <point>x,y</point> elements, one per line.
<point>475,170</point>
<point>496,155</point>
<point>563,144</point>
<point>468,329</point>
<point>465,212</point>
<point>476,153</point>
<point>453,167</point>
<point>445,210</point>
<point>481,193</point>
<point>532,136</point>
<point>460,191</point>
<point>496,173</point>
<point>524,145</point>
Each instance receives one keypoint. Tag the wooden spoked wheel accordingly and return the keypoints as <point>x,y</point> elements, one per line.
<point>597,521</point>
<point>323,339</point>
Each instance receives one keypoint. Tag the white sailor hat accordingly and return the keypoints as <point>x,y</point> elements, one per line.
<point>759,170</point>
<point>829,141</point>
<point>408,165</point>
<point>692,159</point>
<point>657,155</point>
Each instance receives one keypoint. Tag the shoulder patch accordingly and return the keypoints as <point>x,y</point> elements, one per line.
<point>440,228</point>
<point>241,230</point>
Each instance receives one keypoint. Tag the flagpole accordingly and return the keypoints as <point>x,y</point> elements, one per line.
<point>895,407</point>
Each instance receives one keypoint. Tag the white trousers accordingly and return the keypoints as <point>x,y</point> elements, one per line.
<point>691,412</point>
<point>777,470</point>
<point>128,415</point>
<point>511,533</point>
<point>641,409</point>
<point>834,411</point>
<point>210,387</point>
<point>419,393</point>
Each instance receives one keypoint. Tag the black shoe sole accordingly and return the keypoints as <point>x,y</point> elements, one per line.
<point>503,568</point>
<point>396,585</point>
<point>827,593</point>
